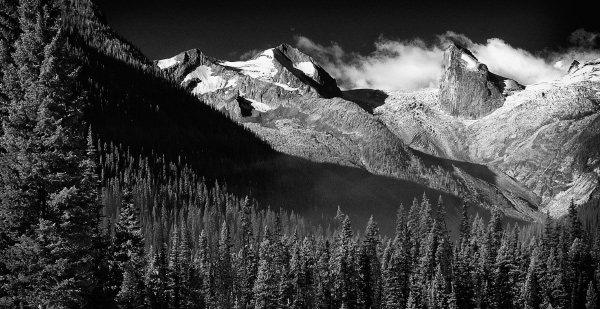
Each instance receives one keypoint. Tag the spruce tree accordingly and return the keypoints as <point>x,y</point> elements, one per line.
<point>591,300</point>
<point>574,223</point>
<point>129,256</point>
<point>555,288</point>
<point>173,287</point>
<point>154,294</point>
<point>372,270</point>
<point>392,292</point>
<point>48,208</point>
<point>265,286</point>
<point>205,276</point>
<point>530,292</point>
<point>224,278</point>
<point>184,252</point>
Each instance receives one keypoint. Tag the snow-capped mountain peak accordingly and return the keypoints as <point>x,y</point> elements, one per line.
<point>272,75</point>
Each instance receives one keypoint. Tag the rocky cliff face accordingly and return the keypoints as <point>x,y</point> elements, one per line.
<point>545,137</point>
<point>468,88</point>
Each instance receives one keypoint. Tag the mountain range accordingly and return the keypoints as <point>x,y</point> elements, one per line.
<point>528,149</point>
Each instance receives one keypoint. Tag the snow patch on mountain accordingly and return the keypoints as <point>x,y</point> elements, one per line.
<point>167,63</point>
<point>259,106</point>
<point>285,87</point>
<point>470,61</point>
<point>207,82</point>
<point>307,67</point>
<point>261,67</point>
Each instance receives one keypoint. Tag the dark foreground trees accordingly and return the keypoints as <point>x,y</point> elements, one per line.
<point>49,202</point>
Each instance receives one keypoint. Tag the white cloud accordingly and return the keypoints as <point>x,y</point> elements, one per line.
<point>411,65</point>
<point>393,65</point>
<point>515,63</point>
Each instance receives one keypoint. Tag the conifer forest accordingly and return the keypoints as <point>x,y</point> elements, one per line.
<point>119,189</point>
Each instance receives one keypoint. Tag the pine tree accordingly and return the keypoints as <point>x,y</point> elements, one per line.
<point>47,207</point>
<point>224,282</point>
<point>574,224</point>
<point>305,291</point>
<point>343,265</point>
<point>204,287</point>
<point>129,245</point>
<point>554,281</point>
<point>576,272</point>
<point>400,224</point>
<point>463,274</point>
<point>153,281</point>
<point>464,225</point>
<point>392,291</point>
<point>266,283</point>
<point>173,277</point>
<point>184,252</point>
<point>530,292</point>
<point>591,300</point>
<point>425,220</point>
<point>437,298</point>
<point>371,271</point>
<point>100,296</point>
<point>501,294</point>
<point>324,279</point>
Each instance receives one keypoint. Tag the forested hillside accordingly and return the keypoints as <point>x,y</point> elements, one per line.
<point>120,190</point>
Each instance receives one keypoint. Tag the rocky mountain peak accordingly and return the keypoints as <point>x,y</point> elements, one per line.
<point>468,88</point>
<point>282,70</point>
<point>307,70</point>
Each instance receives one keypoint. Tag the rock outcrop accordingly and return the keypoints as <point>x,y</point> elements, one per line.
<point>546,137</point>
<point>468,88</point>
<point>306,70</point>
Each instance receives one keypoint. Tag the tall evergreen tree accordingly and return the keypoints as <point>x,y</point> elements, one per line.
<point>591,300</point>
<point>184,252</point>
<point>370,267</point>
<point>129,254</point>
<point>530,292</point>
<point>173,277</point>
<point>574,223</point>
<point>48,205</point>
<point>153,281</point>
<point>265,288</point>
<point>224,272</point>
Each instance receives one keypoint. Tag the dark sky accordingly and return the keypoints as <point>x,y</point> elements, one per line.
<point>226,29</point>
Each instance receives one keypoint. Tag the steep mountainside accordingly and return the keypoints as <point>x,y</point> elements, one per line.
<point>467,88</point>
<point>545,136</point>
